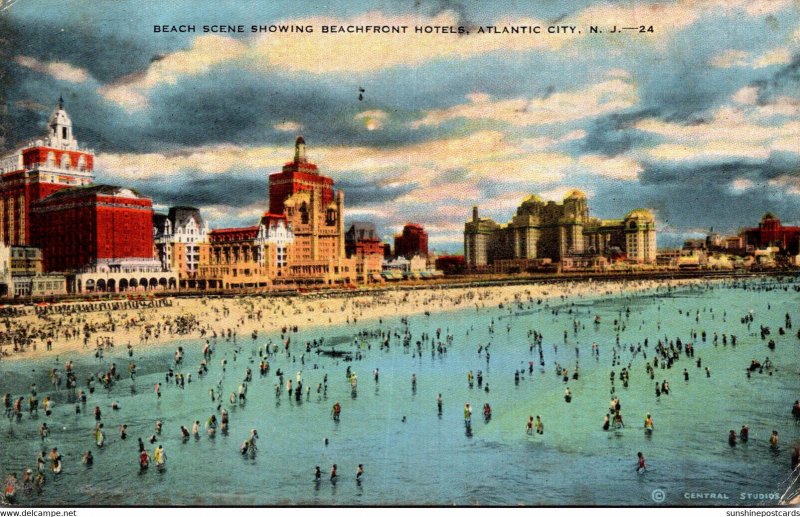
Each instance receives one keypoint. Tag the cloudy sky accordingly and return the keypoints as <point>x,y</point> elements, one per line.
<point>698,120</point>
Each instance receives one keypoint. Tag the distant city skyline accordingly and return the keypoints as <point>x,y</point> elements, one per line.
<point>701,126</point>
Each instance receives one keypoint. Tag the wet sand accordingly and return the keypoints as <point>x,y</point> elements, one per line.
<point>191,318</point>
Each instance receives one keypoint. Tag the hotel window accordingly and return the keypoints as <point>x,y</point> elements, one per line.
<point>304,213</point>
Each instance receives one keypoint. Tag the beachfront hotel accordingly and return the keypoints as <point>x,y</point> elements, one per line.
<point>549,232</point>
<point>38,169</point>
<point>299,240</point>
<point>98,236</point>
<point>412,241</point>
<point>106,238</point>
<point>181,239</point>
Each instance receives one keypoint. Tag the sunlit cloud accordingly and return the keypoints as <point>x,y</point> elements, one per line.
<point>372,119</point>
<point>288,126</point>
<point>740,132</point>
<point>616,167</point>
<point>741,185</point>
<point>207,51</point>
<point>555,108</point>
<point>56,69</point>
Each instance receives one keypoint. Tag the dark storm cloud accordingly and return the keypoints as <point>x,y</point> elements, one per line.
<point>250,187</point>
<point>440,6</point>
<point>785,80</point>
<point>231,105</point>
<point>690,197</point>
<point>614,134</point>
<point>683,84</point>
<point>7,35</point>
<point>104,53</point>
<point>226,105</point>
<point>232,190</point>
<point>97,123</point>
<point>789,74</point>
<point>778,165</point>
<point>681,91</point>
<point>369,193</point>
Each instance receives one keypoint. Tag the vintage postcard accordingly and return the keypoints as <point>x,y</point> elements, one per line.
<point>413,253</point>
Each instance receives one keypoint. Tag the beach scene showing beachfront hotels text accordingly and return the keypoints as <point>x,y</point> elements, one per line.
<point>413,254</point>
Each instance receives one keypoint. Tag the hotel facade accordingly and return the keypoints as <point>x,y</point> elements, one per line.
<point>98,236</point>
<point>550,232</point>
<point>299,240</point>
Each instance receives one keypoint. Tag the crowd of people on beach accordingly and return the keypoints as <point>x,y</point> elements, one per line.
<point>217,325</point>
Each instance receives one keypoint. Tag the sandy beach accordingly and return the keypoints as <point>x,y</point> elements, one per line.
<point>575,354</point>
<point>28,336</point>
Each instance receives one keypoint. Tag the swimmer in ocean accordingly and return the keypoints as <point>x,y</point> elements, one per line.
<point>641,465</point>
<point>648,424</point>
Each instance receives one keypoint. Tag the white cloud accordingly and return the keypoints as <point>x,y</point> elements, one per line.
<point>218,159</point>
<point>731,58</point>
<point>743,131</point>
<point>531,168</point>
<point>288,126</point>
<point>206,52</point>
<point>615,167</point>
<point>321,53</point>
<point>367,213</point>
<point>478,97</point>
<point>741,185</point>
<point>56,69</point>
<point>544,143</point>
<point>747,96</point>
<point>558,193</point>
<point>557,108</point>
<point>372,119</point>
<point>776,56</point>
<point>780,55</point>
<point>223,216</point>
<point>747,100</point>
<point>789,184</point>
<point>356,53</point>
<point>126,96</point>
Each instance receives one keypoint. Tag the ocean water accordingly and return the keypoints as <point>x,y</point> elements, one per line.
<point>414,456</point>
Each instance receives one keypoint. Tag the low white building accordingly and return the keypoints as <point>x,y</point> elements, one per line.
<point>21,274</point>
<point>180,238</point>
<point>115,275</point>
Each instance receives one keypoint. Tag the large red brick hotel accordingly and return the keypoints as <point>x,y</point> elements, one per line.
<point>92,225</point>
<point>771,232</point>
<point>52,163</point>
<point>99,236</point>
